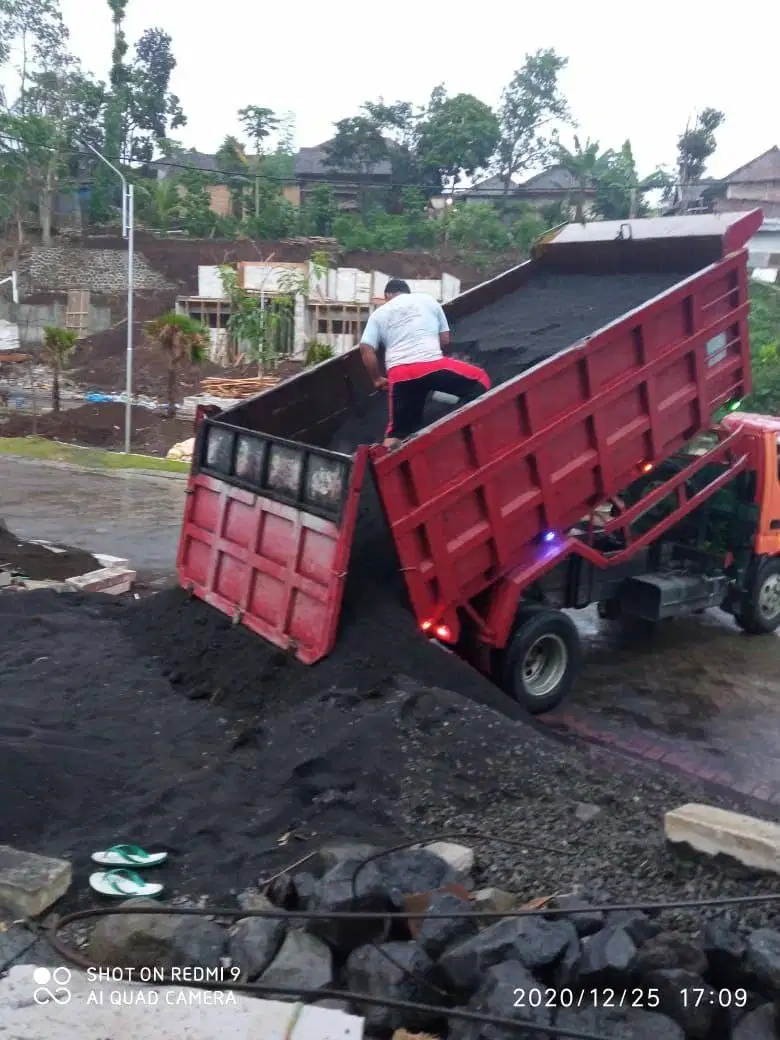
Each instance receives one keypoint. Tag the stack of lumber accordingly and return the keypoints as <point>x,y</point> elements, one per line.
<point>236,388</point>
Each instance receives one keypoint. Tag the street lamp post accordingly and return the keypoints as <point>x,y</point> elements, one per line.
<point>128,232</point>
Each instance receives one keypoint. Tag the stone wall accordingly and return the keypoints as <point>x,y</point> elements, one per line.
<point>32,318</point>
<point>62,268</point>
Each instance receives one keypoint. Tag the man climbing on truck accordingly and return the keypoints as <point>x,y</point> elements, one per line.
<point>414,331</point>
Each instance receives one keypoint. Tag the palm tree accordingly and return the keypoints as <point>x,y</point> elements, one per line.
<point>57,347</point>
<point>184,341</point>
<point>587,165</point>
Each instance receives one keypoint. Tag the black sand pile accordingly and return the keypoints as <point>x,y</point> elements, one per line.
<point>549,314</point>
<point>40,563</point>
<point>107,736</point>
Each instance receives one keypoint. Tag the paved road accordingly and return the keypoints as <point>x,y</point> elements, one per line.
<point>136,517</point>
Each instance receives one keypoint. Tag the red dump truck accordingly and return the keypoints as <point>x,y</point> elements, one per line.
<point>599,475</point>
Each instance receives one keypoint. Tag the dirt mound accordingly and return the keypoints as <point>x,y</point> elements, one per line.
<point>103,426</point>
<point>40,563</point>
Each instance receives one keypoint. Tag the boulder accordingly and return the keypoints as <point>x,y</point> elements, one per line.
<point>725,951</point>
<point>637,925</point>
<point>533,941</point>
<point>334,893</point>
<point>507,990</point>
<point>620,1023</point>
<point>494,900</point>
<point>606,958</point>
<point>306,887</point>
<point>406,873</point>
<point>762,957</point>
<point>397,970</point>
<point>303,960</point>
<point>459,858</point>
<point>760,1024</point>
<point>436,934</point>
<point>687,999</point>
<point>252,899</point>
<point>670,950</point>
<point>586,920</point>
<point>253,942</point>
<point>334,853</point>
<point>182,452</point>
<point>156,940</point>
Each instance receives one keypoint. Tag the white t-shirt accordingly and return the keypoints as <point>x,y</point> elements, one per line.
<point>408,327</point>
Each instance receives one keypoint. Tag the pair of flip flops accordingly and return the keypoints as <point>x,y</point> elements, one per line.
<point>121,880</point>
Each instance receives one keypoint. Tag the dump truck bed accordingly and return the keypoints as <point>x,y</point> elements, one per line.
<point>272,509</point>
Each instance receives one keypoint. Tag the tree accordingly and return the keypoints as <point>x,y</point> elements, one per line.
<point>258,124</point>
<point>531,106</point>
<point>150,111</point>
<point>587,165</point>
<point>35,29</point>
<point>458,135</point>
<point>105,190</point>
<point>233,166</point>
<point>184,341</point>
<point>58,344</point>
<point>620,191</point>
<point>697,144</point>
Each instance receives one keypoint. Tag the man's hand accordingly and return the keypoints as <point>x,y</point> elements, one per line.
<point>381,383</point>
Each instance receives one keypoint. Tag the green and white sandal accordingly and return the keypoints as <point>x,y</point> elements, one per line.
<point>123,883</point>
<point>128,856</point>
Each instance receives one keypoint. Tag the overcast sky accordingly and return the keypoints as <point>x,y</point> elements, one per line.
<point>634,71</point>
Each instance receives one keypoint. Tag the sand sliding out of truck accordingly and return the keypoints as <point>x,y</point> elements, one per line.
<point>594,472</point>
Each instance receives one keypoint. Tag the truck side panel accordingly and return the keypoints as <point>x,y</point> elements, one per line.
<point>537,454</point>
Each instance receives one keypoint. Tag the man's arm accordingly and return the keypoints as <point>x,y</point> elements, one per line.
<point>444,328</point>
<point>369,341</point>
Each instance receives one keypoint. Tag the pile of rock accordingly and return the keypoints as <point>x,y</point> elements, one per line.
<point>611,973</point>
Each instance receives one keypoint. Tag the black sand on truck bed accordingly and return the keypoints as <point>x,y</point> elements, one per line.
<point>547,315</point>
<point>159,723</point>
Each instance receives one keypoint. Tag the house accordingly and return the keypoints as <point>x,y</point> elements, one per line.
<point>311,168</point>
<point>756,184</point>
<point>551,187</point>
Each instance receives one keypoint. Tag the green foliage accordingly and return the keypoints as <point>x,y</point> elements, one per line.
<point>58,345</point>
<point>697,145</point>
<point>184,341</point>
<point>150,111</point>
<point>316,353</point>
<point>458,135</point>
<point>587,165</point>
<point>764,323</point>
<point>258,124</point>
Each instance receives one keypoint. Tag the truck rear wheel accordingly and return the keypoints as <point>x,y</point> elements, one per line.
<point>759,611</point>
<point>541,659</point>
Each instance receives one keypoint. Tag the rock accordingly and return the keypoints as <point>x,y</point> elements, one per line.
<point>637,925</point>
<point>725,951</point>
<point>29,883</point>
<point>606,957</point>
<point>762,957</point>
<point>15,939</point>
<point>760,1024</point>
<point>306,887</point>
<point>585,812</point>
<point>566,972</point>
<point>335,892</point>
<point>156,940</point>
<point>533,941</point>
<point>281,892</point>
<point>587,921</point>
<point>397,970</point>
<point>459,858</point>
<point>436,934</point>
<point>620,1023</point>
<point>686,998</point>
<point>303,960</point>
<point>334,853</point>
<point>405,873</point>
<point>503,987</point>
<point>253,942</point>
<point>719,832</point>
<point>670,950</point>
<point>494,900</point>
<point>252,899</point>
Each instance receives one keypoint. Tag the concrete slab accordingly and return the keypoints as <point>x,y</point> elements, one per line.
<point>754,843</point>
<point>30,884</point>
<point>15,940</point>
<point>60,1004</point>
<point>111,580</point>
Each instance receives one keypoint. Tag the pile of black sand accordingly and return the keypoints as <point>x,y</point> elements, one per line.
<point>547,315</point>
<point>159,723</point>
<point>40,563</point>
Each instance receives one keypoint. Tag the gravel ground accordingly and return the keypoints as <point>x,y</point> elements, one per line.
<point>108,737</point>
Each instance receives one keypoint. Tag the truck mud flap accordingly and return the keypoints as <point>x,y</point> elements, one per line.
<point>267,532</point>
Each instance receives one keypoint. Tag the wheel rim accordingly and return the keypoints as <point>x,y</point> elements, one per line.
<point>769,598</point>
<point>544,665</point>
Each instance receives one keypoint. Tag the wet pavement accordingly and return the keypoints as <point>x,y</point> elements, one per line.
<point>137,517</point>
<point>695,695</point>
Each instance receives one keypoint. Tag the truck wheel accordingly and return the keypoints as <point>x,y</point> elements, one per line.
<point>541,659</point>
<point>759,611</point>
